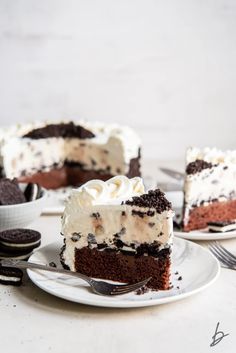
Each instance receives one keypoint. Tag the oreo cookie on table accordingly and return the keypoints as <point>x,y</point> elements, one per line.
<point>19,241</point>
<point>10,276</point>
<point>22,255</point>
<point>10,192</point>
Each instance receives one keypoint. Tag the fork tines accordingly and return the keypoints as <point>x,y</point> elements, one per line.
<point>223,255</point>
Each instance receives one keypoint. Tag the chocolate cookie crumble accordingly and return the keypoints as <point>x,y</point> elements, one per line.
<point>153,199</point>
<point>197,166</point>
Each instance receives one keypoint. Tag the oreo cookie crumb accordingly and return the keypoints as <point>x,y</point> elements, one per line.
<point>151,224</point>
<point>142,290</point>
<point>197,166</point>
<point>153,199</point>
<point>76,236</point>
<point>96,215</point>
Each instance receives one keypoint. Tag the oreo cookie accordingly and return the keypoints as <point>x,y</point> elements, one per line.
<point>19,241</point>
<point>10,276</point>
<point>221,226</point>
<point>10,192</point>
<point>32,192</point>
<point>23,255</point>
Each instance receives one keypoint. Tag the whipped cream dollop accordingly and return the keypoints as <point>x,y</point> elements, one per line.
<point>211,155</point>
<point>112,191</point>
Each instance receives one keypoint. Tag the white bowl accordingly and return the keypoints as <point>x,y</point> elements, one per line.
<point>21,215</point>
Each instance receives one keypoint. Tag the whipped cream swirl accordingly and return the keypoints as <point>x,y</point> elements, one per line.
<point>112,191</point>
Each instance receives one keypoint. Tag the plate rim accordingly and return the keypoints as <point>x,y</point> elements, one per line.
<point>130,303</point>
<point>200,235</point>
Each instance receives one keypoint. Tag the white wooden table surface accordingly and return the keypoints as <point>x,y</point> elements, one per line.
<point>33,321</point>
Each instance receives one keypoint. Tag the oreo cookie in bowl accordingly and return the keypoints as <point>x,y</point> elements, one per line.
<point>20,203</point>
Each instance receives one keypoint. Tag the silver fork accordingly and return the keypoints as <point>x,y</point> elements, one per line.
<point>223,255</point>
<point>98,287</point>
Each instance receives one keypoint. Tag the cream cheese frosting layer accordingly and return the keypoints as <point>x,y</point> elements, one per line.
<point>112,147</point>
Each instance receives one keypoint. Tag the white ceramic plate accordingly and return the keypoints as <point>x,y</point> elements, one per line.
<point>203,234</point>
<point>197,267</point>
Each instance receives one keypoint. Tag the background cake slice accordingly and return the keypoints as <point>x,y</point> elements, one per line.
<point>114,230</point>
<point>209,188</point>
<point>56,155</point>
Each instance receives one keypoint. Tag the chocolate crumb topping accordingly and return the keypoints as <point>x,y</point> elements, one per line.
<point>197,166</point>
<point>60,130</point>
<point>153,199</point>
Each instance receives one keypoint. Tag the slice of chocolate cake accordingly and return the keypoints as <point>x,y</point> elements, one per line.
<point>210,187</point>
<point>56,155</point>
<point>114,230</point>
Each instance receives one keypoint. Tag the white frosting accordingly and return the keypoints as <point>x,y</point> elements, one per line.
<point>98,192</point>
<point>95,208</point>
<point>18,154</point>
<point>210,155</point>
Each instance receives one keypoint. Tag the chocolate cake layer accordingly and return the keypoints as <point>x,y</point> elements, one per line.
<point>125,267</point>
<point>214,212</point>
<point>73,174</point>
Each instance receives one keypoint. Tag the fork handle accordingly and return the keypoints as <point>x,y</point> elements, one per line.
<point>31,265</point>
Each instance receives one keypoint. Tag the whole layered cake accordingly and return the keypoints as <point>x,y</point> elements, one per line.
<point>56,155</point>
<point>114,230</point>
<point>209,188</point>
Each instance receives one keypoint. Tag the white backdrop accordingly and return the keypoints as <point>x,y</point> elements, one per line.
<point>167,68</point>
